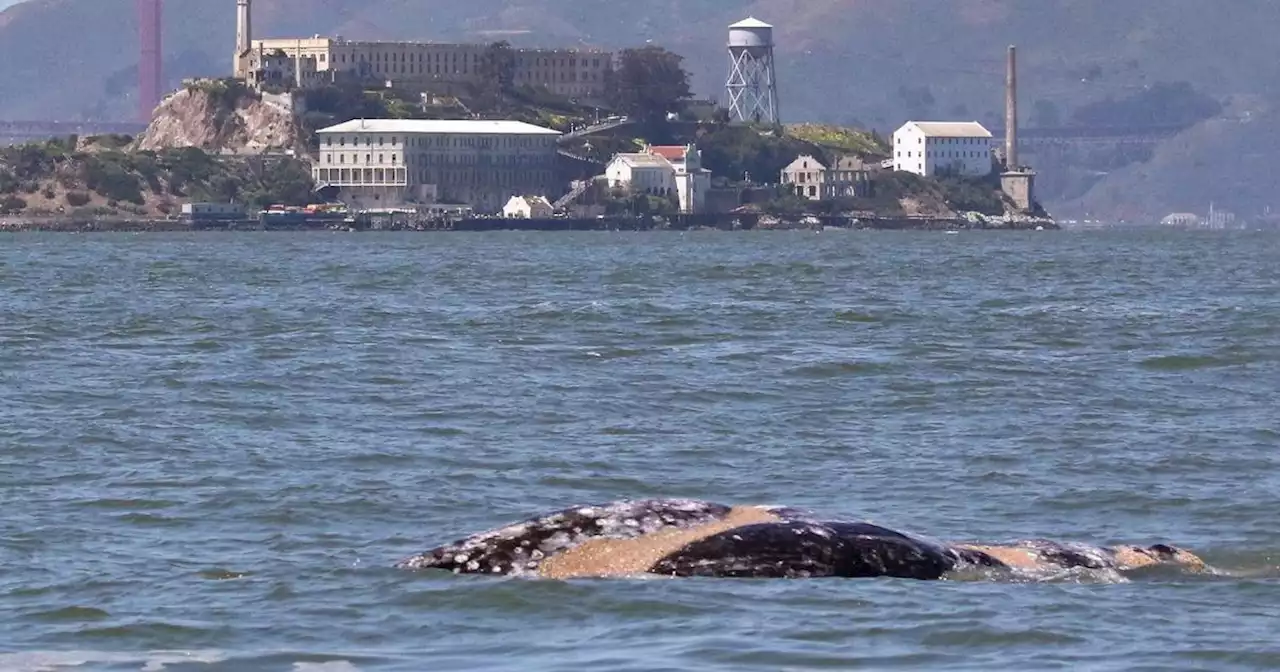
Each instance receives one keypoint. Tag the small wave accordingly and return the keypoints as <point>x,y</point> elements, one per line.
<point>837,369</point>
<point>153,661</point>
<point>220,574</point>
<point>55,661</point>
<point>159,630</point>
<point>70,615</point>
<point>1079,575</point>
<point>855,316</point>
<point>615,353</point>
<point>127,504</point>
<point>150,520</point>
<point>1187,362</point>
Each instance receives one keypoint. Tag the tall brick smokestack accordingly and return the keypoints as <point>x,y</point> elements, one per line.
<point>1011,111</point>
<point>149,70</point>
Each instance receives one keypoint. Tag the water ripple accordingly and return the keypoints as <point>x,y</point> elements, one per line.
<point>214,446</point>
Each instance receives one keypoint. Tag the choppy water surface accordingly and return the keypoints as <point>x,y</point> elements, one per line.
<point>213,447</point>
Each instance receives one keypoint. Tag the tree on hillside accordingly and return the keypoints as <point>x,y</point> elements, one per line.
<point>497,76</point>
<point>742,152</point>
<point>648,84</point>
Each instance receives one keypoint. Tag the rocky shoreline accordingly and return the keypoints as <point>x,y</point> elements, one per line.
<point>725,222</point>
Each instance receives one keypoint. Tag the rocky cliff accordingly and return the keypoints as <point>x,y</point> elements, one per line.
<point>223,118</point>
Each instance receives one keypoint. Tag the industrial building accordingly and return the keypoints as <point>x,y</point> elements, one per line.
<point>932,147</point>
<point>379,163</point>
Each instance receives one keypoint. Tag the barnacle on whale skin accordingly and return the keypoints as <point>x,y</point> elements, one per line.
<point>688,538</point>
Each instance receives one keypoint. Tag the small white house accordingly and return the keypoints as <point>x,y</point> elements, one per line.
<point>527,207</point>
<point>932,147</point>
<point>642,174</point>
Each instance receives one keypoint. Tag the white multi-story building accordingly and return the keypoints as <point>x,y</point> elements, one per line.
<point>566,72</point>
<point>377,163</point>
<point>934,147</point>
<point>642,173</point>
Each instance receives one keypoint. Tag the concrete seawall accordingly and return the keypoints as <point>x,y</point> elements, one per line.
<point>722,222</point>
<point>745,222</point>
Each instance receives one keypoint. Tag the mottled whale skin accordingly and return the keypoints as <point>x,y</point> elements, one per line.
<point>519,549</point>
<point>693,538</point>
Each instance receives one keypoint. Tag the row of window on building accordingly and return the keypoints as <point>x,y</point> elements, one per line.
<point>524,75</point>
<point>400,176</point>
<point>836,175</point>
<point>452,58</point>
<point>945,155</point>
<point>507,142</point>
<point>439,159</point>
<point>952,141</point>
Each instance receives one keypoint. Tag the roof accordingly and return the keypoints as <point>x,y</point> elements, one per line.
<point>668,152</point>
<point>531,200</point>
<point>797,164</point>
<point>751,22</point>
<point>850,163</point>
<point>950,129</point>
<point>440,126</point>
<point>643,160</point>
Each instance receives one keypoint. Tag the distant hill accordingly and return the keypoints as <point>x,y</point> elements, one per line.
<point>861,62</point>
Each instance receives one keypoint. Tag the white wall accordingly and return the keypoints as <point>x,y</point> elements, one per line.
<point>913,152</point>
<point>520,208</point>
<point>641,179</point>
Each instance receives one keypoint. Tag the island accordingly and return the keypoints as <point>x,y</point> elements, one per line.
<point>227,153</point>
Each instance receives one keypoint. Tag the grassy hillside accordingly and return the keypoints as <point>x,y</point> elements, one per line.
<point>98,177</point>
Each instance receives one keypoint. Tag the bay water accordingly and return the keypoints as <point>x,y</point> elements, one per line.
<point>213,447</point>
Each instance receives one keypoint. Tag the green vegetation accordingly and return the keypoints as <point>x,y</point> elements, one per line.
<point>838,138</point>
<point>619,202</point>
<point>12,205</point>
<point>649,84</point>
<point>133,181</point>
<point>226,93</point>
<point>497,77</point>
<point>900,193</point>
<point>742,152</point>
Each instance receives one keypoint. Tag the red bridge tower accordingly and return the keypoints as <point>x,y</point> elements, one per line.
<point>149,62</point>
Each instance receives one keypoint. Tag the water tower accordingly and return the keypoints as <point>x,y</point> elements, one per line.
<point>753,82</point>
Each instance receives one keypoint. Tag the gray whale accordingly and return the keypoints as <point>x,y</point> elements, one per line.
<point>694,538</point>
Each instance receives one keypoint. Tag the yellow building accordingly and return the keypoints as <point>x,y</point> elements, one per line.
<point>566,72</point>
<point>377,163</point>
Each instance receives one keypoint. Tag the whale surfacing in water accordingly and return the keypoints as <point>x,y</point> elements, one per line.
<point>693,538</point>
